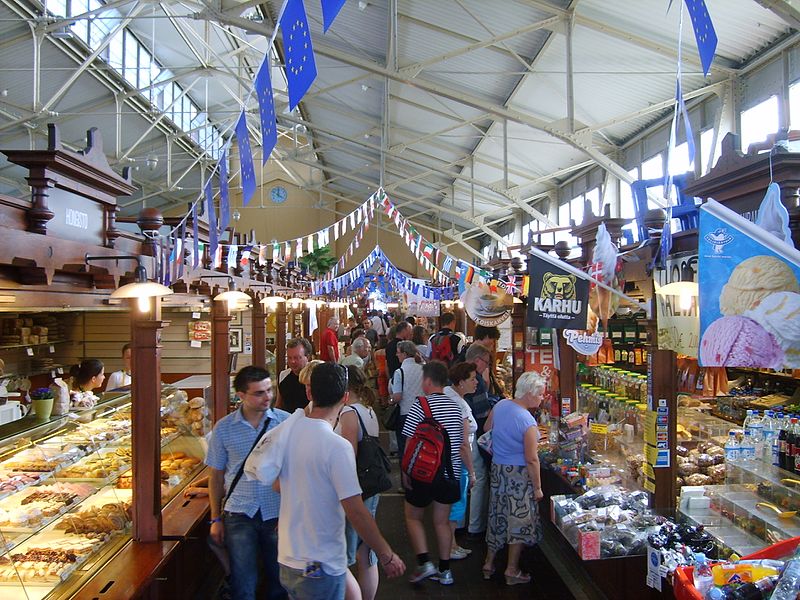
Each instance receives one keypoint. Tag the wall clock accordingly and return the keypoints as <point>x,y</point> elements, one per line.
<point>278,194</point>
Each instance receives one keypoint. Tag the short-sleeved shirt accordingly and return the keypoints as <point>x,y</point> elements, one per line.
<point>449,416</point>
<point>466,411</point>
<point>329,338</point>
<point>228,446</point>
<point>392,362</point>
<point>319,471</point>
<point>509,423</point>
<point>293,393</point>
<point>352,359</point>
<point>408,380</point>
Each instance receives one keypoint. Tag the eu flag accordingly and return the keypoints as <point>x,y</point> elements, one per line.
<point>300,67</point>
<point>224,199</point>
<point>212,218</point>
<point>247,172</point>
<point>703,32</point>
<point>266,108</point>
<point>330,8</point>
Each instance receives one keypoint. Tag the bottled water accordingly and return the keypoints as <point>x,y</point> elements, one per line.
<point>703,578</point>
<point>770,432</point>
<point>789,583</point>
<point>731,447</point>
<point>748,420</point>
<point>747,449</point>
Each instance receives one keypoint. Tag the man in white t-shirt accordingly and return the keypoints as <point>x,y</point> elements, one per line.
<point>319,488</point>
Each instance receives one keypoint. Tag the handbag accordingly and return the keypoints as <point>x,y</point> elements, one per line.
<point>266,459</point>
<point>221,552</point>
<point>485,442</point>
<point>372,465</point>
<point>392,416</point>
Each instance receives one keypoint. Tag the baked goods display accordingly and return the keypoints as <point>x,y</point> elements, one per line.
<point>109,518</point>
<point>56,507</point>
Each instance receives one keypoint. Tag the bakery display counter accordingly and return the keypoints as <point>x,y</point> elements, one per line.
<point>66,491</point>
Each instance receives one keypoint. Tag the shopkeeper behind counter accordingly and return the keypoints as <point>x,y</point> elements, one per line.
<point>120,379</point>
<point>88,375</point>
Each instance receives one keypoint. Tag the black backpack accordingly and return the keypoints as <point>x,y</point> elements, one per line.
<point>372,465</point>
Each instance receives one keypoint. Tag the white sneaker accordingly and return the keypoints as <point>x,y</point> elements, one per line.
<point>423,572</point>
<point>443,577</point>
<point>459,553</point>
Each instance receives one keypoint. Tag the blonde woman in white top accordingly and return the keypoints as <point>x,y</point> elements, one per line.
<point>360,403</point>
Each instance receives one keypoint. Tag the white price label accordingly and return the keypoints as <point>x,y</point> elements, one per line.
<point>195,315</point>
<point>60,371</point>
<point>196,344</point>
<point>52,349</point>
<point>29,351</point>
<point>53,374</point>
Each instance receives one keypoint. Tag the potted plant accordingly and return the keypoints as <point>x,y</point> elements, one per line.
<point>319,262</point>
<point>42,403</point>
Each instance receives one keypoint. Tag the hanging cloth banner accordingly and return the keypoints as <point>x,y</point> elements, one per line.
<point>181,254</point>
<point>749,294</point>
<point>557,298</point>
<point>195,238</point>
<point>212,218</point>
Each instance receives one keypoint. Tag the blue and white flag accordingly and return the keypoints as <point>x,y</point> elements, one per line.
<point>213,240</point>
<point>224,197</point>
<point>266,109</point>
<point>703,32</point>
<point>195,238</point>
<point>330,8</point>
<point>182,249</point>
<point>301,70</point>
<point>247,173</point>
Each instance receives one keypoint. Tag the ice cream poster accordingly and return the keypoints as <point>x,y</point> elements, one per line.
<point>749,294</point>
<point>556,298</point>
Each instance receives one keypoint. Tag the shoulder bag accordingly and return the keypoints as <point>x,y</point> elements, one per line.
<point>392,416</point>
<point>372,465</point>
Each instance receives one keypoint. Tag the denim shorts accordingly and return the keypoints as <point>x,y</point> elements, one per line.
<point>354,542</point>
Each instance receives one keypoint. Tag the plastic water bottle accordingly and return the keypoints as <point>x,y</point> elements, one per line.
<point>731,447</point>
<point>789,583</point>
<point>756,427</point>
<point>770,433</point>
<point>747,449</point>
<point>748,421</point>
<point>703,578</point>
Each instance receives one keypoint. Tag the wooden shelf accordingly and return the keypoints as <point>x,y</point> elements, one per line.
<point>51,343</point>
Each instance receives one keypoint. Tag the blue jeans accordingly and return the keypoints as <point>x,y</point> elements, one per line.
<point>248,539</point>
<point>320,586</point>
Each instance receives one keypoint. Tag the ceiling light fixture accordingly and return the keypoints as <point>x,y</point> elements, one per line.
<point>236,300</point>
<point>141,288</point>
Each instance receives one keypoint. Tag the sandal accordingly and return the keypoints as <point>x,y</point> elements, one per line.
<point>487,572</point>
<point>520,577</point>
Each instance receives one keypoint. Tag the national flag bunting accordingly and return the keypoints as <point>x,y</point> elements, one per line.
<point>703,32</point>
<point>301,70</point>
<point>247,172</point>
<point>266,109</point>
<point>330,9</point>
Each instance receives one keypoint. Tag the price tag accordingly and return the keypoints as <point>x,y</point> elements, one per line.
<point>195,315</point>
<point>601,428</point>
<point>196,344</point>
<point>29,351</point>
<point>53,374</point>
<point>52,349</point>
<point>60,371</point>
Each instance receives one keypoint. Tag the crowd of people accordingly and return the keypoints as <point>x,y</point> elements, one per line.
<point>305,532</point>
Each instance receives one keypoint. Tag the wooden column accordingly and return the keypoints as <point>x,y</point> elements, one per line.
<point>280,338</point>
<point>661,372</point>
<point>146,422</point>
<point>518,314</point>
<point>567,377</point>
<point>220,359</point>
<point>259,334</point>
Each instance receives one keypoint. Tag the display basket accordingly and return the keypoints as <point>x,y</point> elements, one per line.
<point>683,580</point>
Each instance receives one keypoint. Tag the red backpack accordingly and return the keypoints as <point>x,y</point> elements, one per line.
<point>427,452</point>
<point>442,348</point>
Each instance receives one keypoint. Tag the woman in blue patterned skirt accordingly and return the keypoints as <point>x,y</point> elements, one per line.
<point>516,484</point>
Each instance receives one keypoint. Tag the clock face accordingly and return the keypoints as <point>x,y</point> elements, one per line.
<point>278,194</point>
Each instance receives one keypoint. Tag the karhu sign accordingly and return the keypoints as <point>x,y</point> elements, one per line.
<point>556,298</point>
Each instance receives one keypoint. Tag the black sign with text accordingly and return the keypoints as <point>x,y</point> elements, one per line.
<point>556,298</point>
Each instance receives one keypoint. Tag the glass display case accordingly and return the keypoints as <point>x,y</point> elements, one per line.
<point>755,508</point>
<point>66,489</point>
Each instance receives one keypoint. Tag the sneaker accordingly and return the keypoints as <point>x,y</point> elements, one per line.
<point>443,577</point>
<point>459,553</point>
<point>423,572</point>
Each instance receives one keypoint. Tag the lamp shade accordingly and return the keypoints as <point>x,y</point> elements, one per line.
<point>145,289</point>
<point>272,299</point>
<point>232,297</point>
